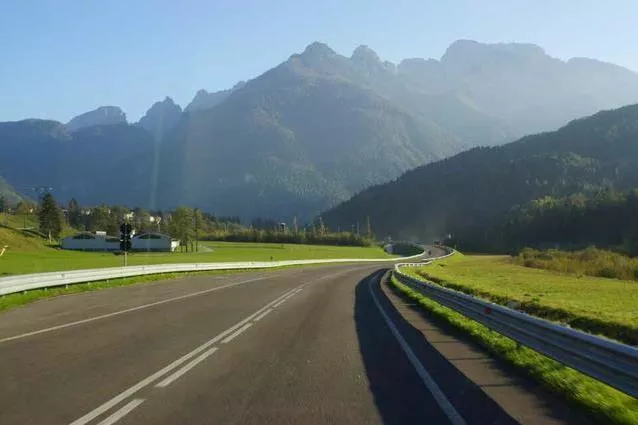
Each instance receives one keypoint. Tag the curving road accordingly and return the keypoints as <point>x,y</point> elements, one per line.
<point>318,345</point>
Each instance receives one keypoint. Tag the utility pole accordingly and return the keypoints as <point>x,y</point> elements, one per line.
<point>196,218</point>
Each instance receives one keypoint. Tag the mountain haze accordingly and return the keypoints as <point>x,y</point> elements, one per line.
<point>468,190</point>
<point>312,131</point>
<point>161,118</point>
<point>206,100</point>
<point>301,136</point>
<point>102,163</point>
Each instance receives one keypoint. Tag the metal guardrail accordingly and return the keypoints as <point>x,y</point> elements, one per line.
<point>27,282</point>
<point>611,362</point>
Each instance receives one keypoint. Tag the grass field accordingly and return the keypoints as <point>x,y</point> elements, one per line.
<point>34,257</point>
<point>597,305</point>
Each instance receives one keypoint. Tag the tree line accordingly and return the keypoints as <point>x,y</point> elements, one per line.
<point>186,224</point>
<point>607,219</point>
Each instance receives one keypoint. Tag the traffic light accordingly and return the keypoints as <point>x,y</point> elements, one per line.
<point>125,236</point>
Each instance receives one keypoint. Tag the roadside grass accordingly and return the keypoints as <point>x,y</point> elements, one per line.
<point>47,259</point>
<point>605,404</point>
<point>596,305</point>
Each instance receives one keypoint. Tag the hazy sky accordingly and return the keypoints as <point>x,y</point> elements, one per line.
<point>59,58</point>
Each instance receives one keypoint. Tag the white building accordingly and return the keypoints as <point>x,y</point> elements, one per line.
<point>153,241</point>
<point>99,241</point>
<point>87,241</point>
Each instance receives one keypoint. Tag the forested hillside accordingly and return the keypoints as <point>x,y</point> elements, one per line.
<point>606,219</point>
<point>465,194</point>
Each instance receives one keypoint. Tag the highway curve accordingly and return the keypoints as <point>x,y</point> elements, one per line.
<point>315,345</point>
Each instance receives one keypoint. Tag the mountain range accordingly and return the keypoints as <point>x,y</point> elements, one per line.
<point>312,131</point>
<point>464,194</point>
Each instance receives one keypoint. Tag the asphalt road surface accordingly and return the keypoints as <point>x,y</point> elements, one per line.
<point>318,345</point>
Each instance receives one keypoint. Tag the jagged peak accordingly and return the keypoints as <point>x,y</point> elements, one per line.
<point>365,53</point>
<point>318,49</point>
<point>169,100</point>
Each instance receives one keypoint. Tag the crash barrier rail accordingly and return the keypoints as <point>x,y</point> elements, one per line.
<point>608,361</point>
<point>27,282</point>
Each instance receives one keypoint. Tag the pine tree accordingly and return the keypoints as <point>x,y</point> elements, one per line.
<point>50,217</point>
<point>73,211</point>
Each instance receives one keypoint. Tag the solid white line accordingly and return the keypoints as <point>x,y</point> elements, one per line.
<point>262,315</point>
<point>176,375</point>
<point>279,303</point>
<point>128,408</point>
<point>237,333</point>
<point>128,310</point>
<point>150,379</point>
<point>445,405</point>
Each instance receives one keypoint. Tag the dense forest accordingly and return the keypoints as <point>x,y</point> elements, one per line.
<point>607,219</point>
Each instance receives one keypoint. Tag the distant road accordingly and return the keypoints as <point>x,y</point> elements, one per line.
<point>317,345</point>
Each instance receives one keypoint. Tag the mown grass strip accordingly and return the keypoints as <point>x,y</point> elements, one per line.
<point>605,404</point>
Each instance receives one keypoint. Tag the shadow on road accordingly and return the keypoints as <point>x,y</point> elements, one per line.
<point>402,397</point>
<point>399,393</point>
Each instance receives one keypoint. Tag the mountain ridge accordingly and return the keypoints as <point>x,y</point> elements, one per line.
<point>103,115</point>
<point>316,128</point>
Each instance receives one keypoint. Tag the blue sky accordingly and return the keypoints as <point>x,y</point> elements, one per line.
<point>60,58</point>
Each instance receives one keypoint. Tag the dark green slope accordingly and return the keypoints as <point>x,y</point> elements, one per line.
<point>471,188</point>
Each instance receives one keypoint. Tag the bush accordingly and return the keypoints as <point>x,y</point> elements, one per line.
<point>590,262</point>
<point>608,272</point>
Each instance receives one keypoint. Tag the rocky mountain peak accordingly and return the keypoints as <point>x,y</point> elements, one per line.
<point>365,54</point>
<point>161,117</point>
<point>318,50</point>
<point>104,115</point>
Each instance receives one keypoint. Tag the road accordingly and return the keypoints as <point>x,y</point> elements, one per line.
<point>318,345</point>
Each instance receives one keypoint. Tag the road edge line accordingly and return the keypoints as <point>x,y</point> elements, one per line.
<point>448,408</point>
